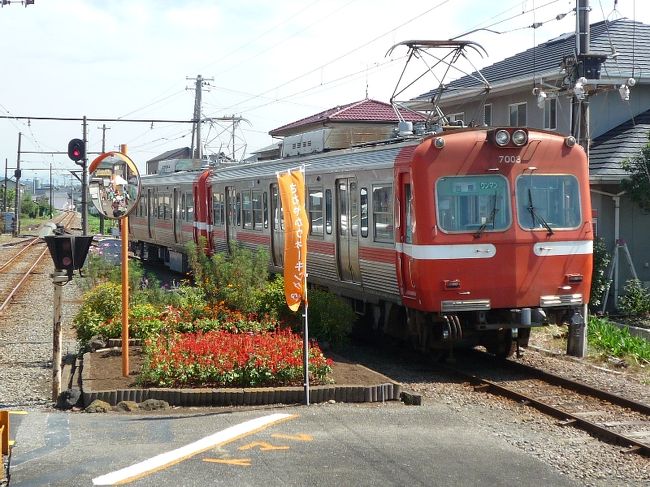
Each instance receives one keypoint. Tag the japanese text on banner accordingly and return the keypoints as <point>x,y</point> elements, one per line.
<point>296,228</point>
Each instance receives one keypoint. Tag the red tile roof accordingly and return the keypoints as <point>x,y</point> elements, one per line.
<point>360,111</point>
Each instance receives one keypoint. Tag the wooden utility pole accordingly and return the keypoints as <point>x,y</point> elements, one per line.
<point>84,181</point>
<point>59,278</point>
<point>124,224</point>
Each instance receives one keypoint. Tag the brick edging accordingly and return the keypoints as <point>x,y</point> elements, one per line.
<point>388,391</point>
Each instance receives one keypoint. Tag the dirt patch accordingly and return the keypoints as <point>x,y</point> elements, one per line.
<point>103,371</point>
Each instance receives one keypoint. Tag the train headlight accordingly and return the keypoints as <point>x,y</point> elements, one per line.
<point>502,137</point>
<point>519,137</point>
<point>570,141</point>
<point>439,143</point>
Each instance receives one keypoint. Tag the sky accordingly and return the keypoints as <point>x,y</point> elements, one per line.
<point>268,63</point>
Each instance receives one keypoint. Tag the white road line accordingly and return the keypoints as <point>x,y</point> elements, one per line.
<point>167,459</point>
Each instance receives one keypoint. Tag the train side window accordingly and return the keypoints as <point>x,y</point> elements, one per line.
<point>247,209</point>
<point>265,209</point>
<point>276,208</point>
<point>408,208</point>
<point>315,210</point>
<point>182,208</point>
<point>354,209</point>
<point>217,209</point>
<point>238,209</point>
<point>145,205</point>
<point>258,217</point>
<point>364,212</point>
<point>328,211</point>
<point>189,207</point>
<point>474,203</point>
<point>382,212</point>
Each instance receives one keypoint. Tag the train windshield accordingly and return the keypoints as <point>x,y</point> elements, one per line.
<point>547,202</point>
<point>474,204</point>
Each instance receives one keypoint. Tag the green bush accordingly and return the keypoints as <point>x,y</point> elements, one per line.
<point>635,300</point>
<point>237,278</point>
<point>100,304</point>
<point>599,280</point>
<point>272,302</point>
<point>330,318</point>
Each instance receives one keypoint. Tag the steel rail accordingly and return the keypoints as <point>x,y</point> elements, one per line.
<point>567,418</point>
<point>25,276</point>
<point>6,264</point>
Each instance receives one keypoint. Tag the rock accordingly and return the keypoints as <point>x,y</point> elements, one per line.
<point>95,343</point>
<point>153,404</point>
<point>411,399</point>
<point>98,406</point>
<point>68,399</point>
<point>127,406</point>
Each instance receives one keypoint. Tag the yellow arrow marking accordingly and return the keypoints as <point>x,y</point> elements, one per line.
<point>300,437</point>
<point>242,462</point>
<point>263,446</point>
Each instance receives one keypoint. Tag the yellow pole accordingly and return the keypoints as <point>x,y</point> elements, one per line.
<point>125,289</point>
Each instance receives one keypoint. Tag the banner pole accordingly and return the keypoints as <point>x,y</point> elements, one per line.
<point>305,339</point>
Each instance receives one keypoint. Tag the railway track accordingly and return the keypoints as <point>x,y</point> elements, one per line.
<point>603,414</point>
<point>20,260</point>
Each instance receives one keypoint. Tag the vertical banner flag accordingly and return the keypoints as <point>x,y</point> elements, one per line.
<point>296,227</point>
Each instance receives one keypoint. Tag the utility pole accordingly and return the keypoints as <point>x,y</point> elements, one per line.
<point>583,40</point>
<point>51,193</point>
<point>84,182</point>
<point>16,229</point>
<point>200,82</point>
<point>4,203</point>
<point>103,128</point>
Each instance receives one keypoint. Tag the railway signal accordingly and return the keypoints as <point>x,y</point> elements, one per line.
<point>77,150</point>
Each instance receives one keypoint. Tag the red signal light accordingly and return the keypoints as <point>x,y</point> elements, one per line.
<point>76,150</point>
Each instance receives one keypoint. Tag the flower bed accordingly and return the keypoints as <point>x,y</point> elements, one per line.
<point>226,359</point>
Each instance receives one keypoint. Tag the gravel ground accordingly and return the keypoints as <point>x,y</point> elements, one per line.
<point>25,379</point>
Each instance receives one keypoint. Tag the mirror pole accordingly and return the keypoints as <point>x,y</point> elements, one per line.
<point>124,223</point>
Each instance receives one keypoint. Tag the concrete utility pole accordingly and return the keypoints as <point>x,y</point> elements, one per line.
<point>583,39</point>
<point>84,182</point>
<point>103,128</point>
<point>51,194</point>
<point>196,126</point>
<point>4,203</point>
<point>16,229</point>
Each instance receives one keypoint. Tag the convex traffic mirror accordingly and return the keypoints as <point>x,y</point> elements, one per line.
<point>114,185</point>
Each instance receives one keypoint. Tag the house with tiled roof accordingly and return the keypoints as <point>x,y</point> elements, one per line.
<point>343,126</point>
<point>619,117</point>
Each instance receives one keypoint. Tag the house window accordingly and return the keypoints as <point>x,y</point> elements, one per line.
<point>550,114</point>
<point>517,114</point>
<point>487,115</point>
<point>456,117</point>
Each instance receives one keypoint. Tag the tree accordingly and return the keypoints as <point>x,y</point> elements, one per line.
<point>638,184</point>
<point>11,192</point>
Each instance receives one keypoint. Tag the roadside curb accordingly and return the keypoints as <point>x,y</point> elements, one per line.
<point>385,391</point>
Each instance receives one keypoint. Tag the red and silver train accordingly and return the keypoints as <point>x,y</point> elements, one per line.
<point>461,238</point>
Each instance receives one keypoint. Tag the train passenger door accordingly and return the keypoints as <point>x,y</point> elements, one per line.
<point>277,227</point>
<point>347,232</point>
<point>177,215</point>
<point>150,211</point>
<point>406,235</point>
<point>231,216</point>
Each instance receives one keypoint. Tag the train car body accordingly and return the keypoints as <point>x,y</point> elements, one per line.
<point>465,237</point>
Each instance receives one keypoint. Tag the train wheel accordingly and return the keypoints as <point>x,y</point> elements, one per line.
<point>501,344</point>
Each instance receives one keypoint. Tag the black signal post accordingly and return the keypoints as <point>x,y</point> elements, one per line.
<point>77,151</point>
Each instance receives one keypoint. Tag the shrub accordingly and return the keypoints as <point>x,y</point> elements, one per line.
<point>330,318</point>
<point>272,302</point>
<point>599,280</point>
<point>635,300</point>
<point>100,304</point>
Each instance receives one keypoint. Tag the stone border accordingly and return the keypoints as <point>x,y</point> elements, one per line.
<point>389,391</point>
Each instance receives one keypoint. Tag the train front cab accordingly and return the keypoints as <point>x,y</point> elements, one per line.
<point>493,237</point>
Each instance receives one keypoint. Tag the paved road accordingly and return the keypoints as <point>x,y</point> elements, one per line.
<point>319,445</point>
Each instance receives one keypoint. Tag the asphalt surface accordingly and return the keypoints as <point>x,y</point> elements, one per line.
<point>320,445</point>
